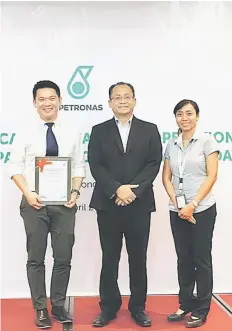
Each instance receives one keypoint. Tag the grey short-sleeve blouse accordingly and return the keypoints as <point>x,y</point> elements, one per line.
<point>200,146</point>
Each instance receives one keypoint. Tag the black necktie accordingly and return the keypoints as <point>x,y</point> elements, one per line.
<point>52,147</point>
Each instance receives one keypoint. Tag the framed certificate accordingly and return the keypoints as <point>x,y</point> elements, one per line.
<point>53,179</point>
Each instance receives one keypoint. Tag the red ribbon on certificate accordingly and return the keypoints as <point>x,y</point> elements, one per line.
<point>41,163</point>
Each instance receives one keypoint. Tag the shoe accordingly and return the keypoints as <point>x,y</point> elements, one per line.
<point>43,320</point>
<point>102,320</point>
<point>177,317</point>
<point>61,315</point>
<point>141,318</point>
<point>195,323</point>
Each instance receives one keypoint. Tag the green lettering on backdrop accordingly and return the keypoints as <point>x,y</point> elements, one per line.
<point>225,156</point>
<point>5,156</point>
<point>86,156</point>
<point>86,138</point>
<point>6,138</point>
<point>220,137</point>
<point>166,136</point>
<point>223,137</point>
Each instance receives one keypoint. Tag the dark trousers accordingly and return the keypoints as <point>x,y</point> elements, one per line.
<point>193,245</point>
<point>135,226</point>
<point>60,222</point>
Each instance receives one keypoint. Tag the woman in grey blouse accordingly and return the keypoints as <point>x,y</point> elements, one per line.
<point>189,173</point>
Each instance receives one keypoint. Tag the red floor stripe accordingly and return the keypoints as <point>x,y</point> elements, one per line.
<point>158,307</point>
<point>227,298</point>
<point>18,315</point>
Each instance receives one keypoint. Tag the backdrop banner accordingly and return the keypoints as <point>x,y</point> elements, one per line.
<point>168,51</point>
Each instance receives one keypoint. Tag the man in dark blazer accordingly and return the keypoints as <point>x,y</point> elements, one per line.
<point>124,157</point>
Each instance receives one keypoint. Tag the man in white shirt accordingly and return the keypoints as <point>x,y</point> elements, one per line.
<point>49,137</point>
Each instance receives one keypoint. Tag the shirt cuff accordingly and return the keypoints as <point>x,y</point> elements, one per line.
<point>14,170</point>
<point>78,172</point>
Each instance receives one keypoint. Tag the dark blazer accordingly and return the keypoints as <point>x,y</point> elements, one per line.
<point>111,167</point>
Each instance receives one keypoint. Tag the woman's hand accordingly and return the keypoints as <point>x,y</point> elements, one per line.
<point>187,213</point>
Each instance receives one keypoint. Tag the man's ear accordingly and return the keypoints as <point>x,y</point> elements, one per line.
<point>60,100</point>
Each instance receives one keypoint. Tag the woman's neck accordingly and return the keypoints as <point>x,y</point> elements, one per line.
<point>187,135</point>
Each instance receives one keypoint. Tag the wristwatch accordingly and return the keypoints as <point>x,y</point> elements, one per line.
<point>77,192</point>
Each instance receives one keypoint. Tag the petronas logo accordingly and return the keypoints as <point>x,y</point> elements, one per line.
<point>78,85</point>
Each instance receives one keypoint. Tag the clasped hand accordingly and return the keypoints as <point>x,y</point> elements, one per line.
<point>125,195</point>
<point>187,213</point>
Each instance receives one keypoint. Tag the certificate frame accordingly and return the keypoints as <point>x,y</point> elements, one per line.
<point>42,159</point>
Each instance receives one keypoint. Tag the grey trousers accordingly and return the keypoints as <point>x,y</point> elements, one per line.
<point>60,222</point>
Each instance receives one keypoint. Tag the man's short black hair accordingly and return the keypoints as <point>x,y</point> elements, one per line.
<point>121,83</point>
<point>45,84</point>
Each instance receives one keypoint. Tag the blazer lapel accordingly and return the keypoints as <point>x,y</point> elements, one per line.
<point>114,133</point>
<point>133,135</point>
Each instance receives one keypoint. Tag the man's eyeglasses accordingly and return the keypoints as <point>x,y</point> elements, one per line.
<point>127,98</point>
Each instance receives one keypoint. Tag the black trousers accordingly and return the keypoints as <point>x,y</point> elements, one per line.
<point>60,222</point>
<point>135,226</point>
<point>193,245</point>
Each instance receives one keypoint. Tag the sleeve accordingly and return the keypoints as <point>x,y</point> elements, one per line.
<point>167,151</point>
<point>78,160</point>
<point>104,179</point>
<point>17,156</point>
<point>146,177</point>
<point>210,145</point>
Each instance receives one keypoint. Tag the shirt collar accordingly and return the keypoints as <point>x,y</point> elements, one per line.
<point>56,123</point>
<point>128,122</point>
<point>196,136</point>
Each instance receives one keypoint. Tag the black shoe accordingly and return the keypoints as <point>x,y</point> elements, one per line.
<point>177,317</point>
<point>43,320</point>
<point>141,318</point>
<point>61,315</point>
<point>195,323</point>
<point>102,320</point>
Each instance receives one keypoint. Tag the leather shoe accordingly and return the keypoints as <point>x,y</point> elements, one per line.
<point>177,317</point>
<point>102,320</point>
<point>43,320</point>
<point>195,323</point>
<point>61,315</point>
<point>141,318</point>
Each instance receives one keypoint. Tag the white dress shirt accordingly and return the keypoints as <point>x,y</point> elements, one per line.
<point>30,142</point>
<point>124,130</point>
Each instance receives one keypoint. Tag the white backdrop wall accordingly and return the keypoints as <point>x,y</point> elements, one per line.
<point>168,51</point>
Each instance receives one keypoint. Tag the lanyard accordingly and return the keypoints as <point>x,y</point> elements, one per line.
<point>181,166</point>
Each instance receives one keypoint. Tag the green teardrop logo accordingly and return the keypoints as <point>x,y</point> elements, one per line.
<point>78,86</point>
